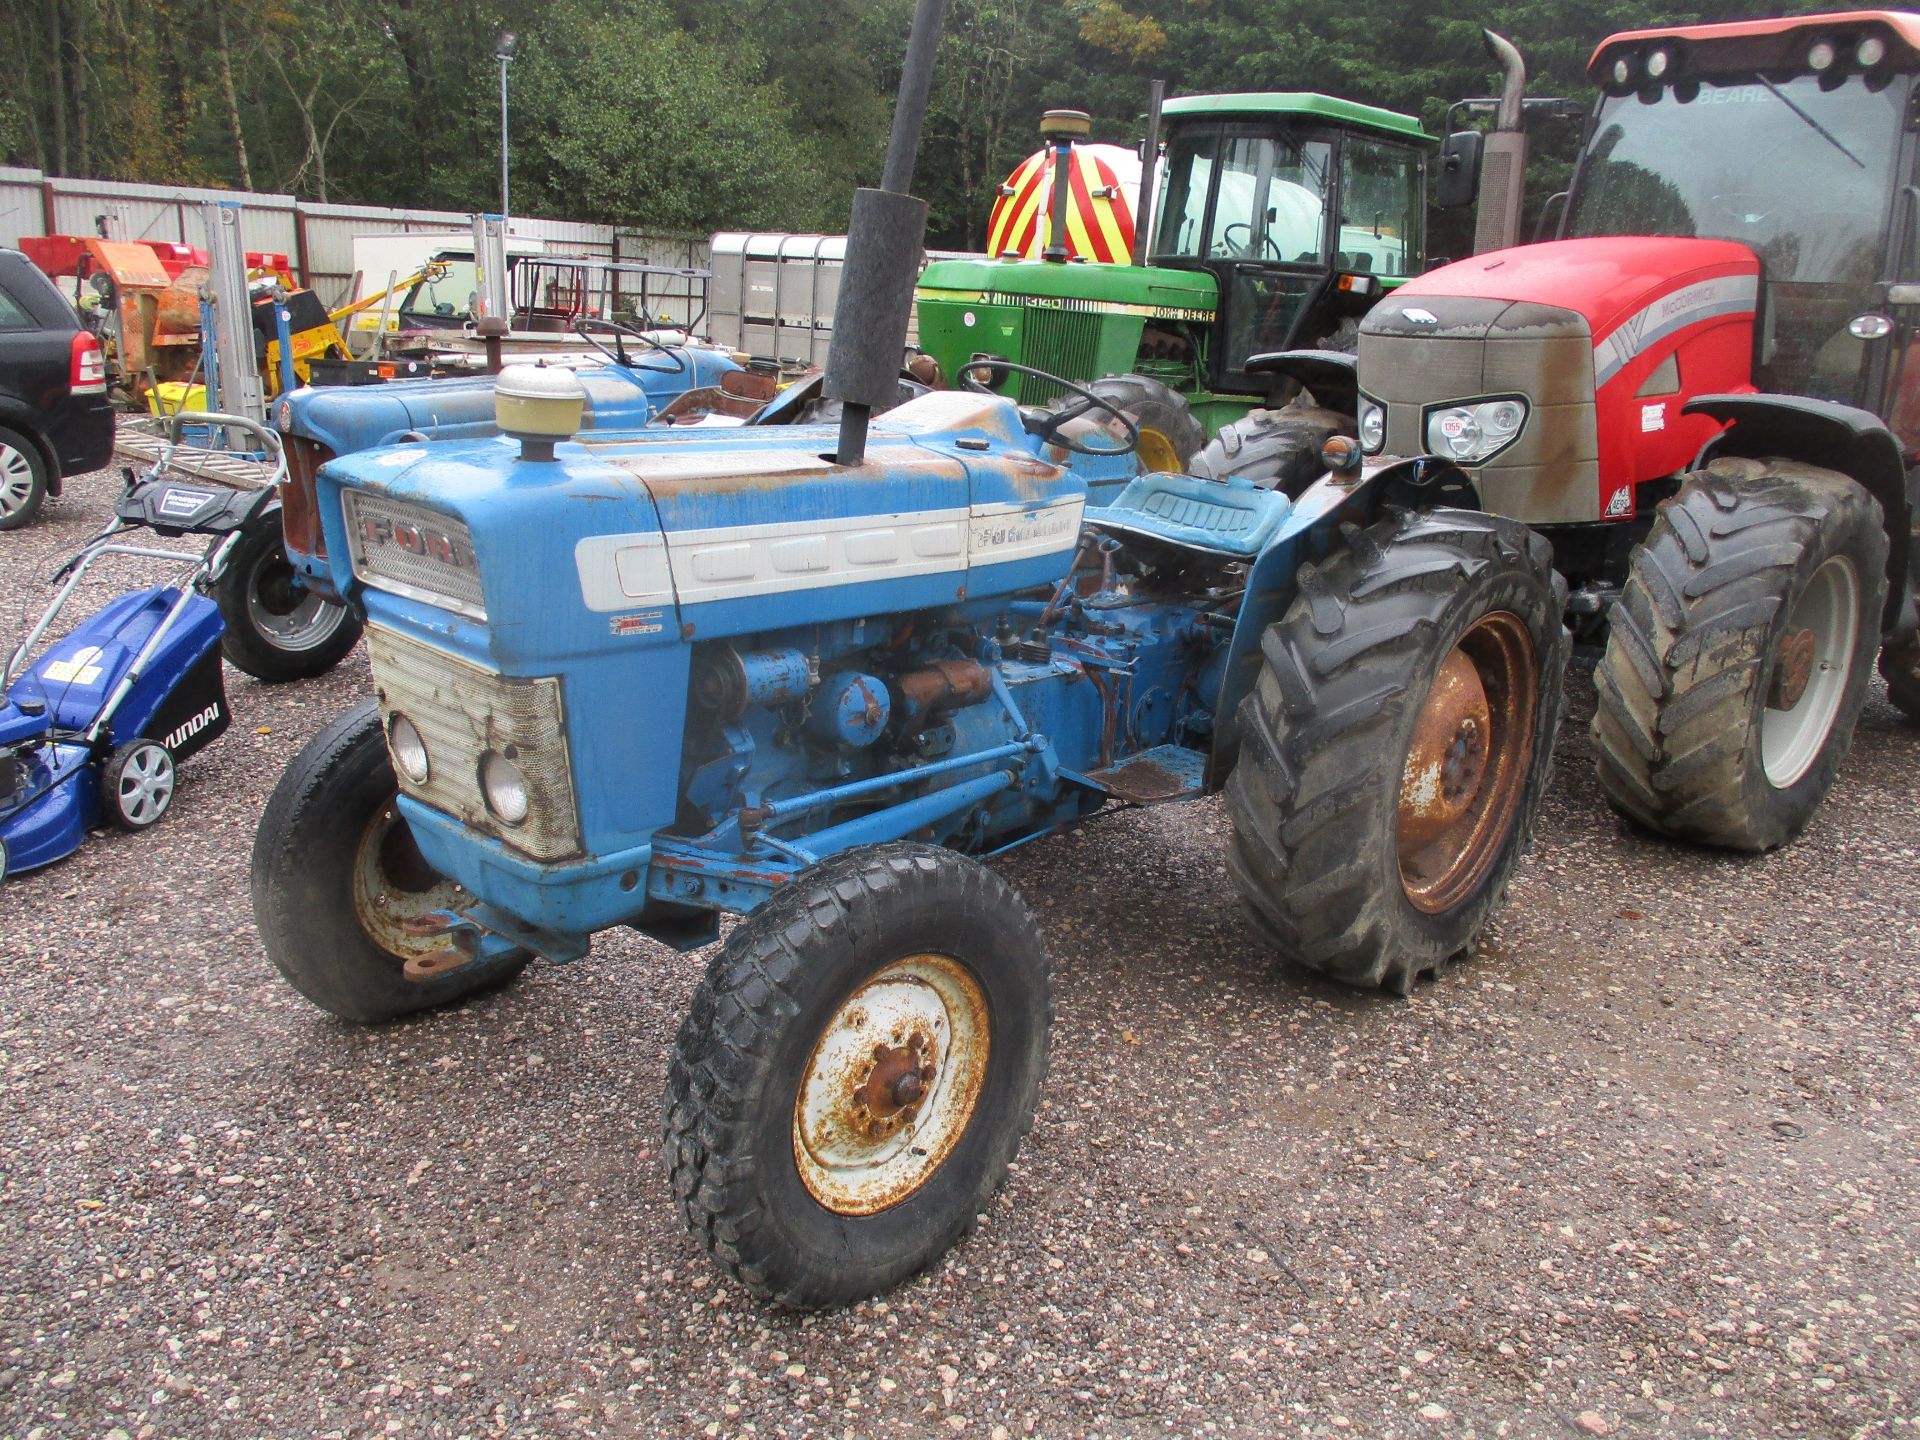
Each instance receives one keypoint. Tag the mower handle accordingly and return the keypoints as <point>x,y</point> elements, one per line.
<point>211,419</point>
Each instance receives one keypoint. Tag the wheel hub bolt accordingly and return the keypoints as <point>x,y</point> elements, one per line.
<point>908,1088</point>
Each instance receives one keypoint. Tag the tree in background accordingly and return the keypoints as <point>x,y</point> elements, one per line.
<point>689,114</point>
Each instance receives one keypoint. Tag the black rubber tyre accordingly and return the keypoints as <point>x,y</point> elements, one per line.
<point>1900,668</point>
<point>1170,434</point>
<point>137,784</point>
<point>330,847</point>
<point>276,630</point>
<point>763,1017</point>
<point>1279,449</point>
<point>23,479</point>
<point>1693,643</point>
<point>1316,796</point>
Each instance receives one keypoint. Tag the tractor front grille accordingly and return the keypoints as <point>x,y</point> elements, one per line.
<point>1064,343</point>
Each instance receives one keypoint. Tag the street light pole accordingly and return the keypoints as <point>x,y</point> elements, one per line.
<point>503,51</point>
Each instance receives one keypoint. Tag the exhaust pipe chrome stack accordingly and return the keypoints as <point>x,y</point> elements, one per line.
<point>1503,171</point>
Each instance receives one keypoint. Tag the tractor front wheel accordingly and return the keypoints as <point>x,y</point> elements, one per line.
<point>1395,751</point>
<point>856,1072</point>
<point>1739,654</point>
<point>339,886</point>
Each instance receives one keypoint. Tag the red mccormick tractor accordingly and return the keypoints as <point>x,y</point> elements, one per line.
<point>1703,397</point>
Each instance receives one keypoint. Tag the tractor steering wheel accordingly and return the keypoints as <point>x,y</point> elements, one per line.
<point>1244,251</point>
<point>585,325</point>
<point>1047,423</point>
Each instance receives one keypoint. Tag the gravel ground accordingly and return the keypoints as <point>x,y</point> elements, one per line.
<point>1647,1165</point>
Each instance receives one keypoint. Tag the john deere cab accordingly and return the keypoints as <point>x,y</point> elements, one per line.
<point>1281,219</point>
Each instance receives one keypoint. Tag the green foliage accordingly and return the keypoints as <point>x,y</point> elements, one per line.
<point>696,115</point>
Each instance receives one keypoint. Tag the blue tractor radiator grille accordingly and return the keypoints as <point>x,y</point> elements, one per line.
<point>1062,342</point>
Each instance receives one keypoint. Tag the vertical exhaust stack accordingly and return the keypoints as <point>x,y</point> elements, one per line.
<point>1149,161</point>
<point>885,237</point>
<point>1060,129</point>
<point>1503,170</point>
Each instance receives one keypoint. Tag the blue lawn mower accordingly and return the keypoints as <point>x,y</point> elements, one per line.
<point>92,732</point>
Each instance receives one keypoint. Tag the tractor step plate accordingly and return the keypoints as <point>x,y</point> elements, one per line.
<point>1166,772</point>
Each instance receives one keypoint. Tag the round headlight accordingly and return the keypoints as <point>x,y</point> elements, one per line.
<point>1373,427</point>
<point>1623,70</point>
<point>408,749</point>
<point>504,788</point>
<point>1872,51</point>
<point>1454,433</point>
<point>1658,63</point>
<point>1822,55</point>
<point>1502,418</point>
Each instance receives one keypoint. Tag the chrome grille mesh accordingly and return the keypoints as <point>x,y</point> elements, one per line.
<point>413,551</point>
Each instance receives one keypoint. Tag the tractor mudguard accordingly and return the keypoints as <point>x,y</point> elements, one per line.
<point>1837,437</point>
<point>1331,376</point>
<point>1312,531</point>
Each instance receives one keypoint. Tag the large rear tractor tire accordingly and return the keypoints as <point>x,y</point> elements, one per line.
<point>276,629</point>
<point>856,1072</point>
<point>1170,434</point>
<point>1395,751</point>
<point>1279,449</point>
<point>1900,668</point>
<point>1739,654</point>
<point>337,877</point>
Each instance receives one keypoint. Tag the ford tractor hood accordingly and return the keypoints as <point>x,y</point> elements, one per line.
<point>696,533</point>
<point>1642,285</point>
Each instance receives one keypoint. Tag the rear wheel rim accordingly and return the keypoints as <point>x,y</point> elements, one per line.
<point>892,1084</point>
<point>282,608</point>
<point>1793,736</point>
<point>16,480</point>
<point>1157,452</point>
<point>1467,764</point>
<point>146,784</point>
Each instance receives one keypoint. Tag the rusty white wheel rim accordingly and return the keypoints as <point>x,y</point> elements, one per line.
<point>1810,672</point>
<point>396,894</point>
<point>891,1085</point>
<point>1468,762</point>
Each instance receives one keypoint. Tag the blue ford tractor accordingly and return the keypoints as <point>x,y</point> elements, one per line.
<point>813,676</point>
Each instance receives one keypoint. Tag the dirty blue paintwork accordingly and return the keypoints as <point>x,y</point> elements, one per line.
<point>683,811</point>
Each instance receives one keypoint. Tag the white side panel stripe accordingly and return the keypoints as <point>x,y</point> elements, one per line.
<point>622,572</point>
<point>1723,295</point>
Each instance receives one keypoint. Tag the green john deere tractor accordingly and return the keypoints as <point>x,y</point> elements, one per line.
<point>1280,220</point>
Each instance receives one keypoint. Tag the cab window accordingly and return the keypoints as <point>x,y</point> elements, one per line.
<point>1236,194</point>
<point>1381,198</point>
<point>13,315</point>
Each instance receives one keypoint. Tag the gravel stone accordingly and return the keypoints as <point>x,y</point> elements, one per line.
<point>1648,1157</point>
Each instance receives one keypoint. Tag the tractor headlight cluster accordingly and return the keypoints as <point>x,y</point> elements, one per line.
<point>1373,426</point>
<point>1476,431</point>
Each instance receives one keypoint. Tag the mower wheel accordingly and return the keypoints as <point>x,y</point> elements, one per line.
<point>1739,654</point>
<point>1395,750</point>
<point>276,628</point>
<point>136,784</point>
<point>856,1072</point>
<point>1170,435</point>
<point>1900,668</point>
<point>23,479</point>
<point>337,878</point>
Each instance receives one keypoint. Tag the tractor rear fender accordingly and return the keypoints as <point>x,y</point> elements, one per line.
<point>1837,437</point>
<point>1330,376</point>
<point>1313,531</point>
